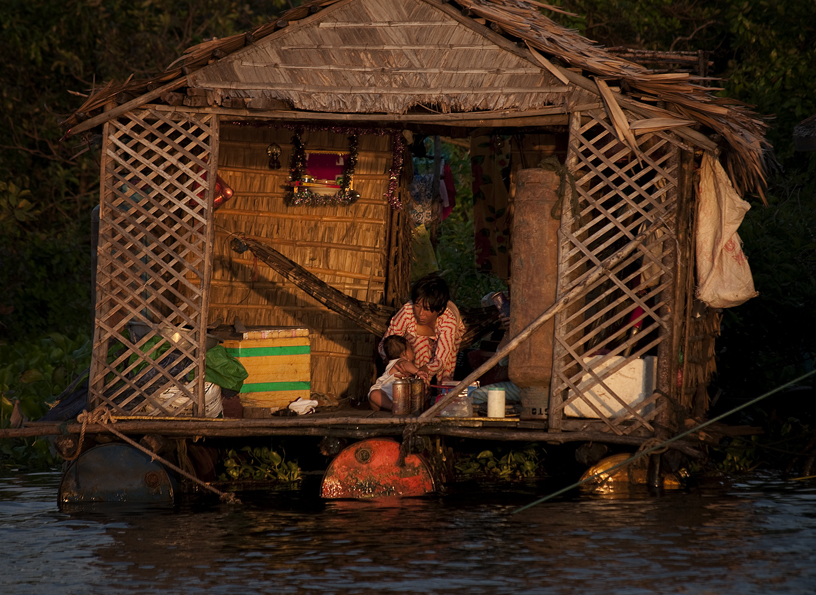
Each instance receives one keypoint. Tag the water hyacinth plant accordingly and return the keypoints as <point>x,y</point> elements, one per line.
<point>259,464</point>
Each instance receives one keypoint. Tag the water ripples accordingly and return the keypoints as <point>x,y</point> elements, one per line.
<point>755,536</point>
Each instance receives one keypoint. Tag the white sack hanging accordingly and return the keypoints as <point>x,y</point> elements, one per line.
<point>723,276</point>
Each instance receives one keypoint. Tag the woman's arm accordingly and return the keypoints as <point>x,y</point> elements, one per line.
<point>399,325</point>
<point>449,332</point>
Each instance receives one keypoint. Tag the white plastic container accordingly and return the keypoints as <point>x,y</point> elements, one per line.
<point>495,402</point>
<point>633,383</point>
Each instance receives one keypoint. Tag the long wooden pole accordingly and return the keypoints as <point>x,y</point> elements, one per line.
<point>559,305</point>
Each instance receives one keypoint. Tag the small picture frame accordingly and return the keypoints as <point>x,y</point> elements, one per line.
<point>323,172</point>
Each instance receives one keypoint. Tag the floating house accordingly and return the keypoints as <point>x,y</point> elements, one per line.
<point>264,164</point>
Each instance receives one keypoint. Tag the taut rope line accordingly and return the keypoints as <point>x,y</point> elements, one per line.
<point>647,451</point>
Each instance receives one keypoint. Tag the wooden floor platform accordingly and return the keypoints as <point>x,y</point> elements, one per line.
<point>349,422</point>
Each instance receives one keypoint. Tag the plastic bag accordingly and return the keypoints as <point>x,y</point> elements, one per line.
<point>224,370</point>
<point>723,276</point>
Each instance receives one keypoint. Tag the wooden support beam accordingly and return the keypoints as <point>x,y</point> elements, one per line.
<point>126,107</point>
<point>351,427</point>
<point>555,116</point>
<point>173,98</point>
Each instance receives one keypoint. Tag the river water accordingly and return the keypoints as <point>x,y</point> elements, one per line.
<point>756,535</point>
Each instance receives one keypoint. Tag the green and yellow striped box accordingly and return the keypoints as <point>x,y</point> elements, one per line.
<point>278,363</point>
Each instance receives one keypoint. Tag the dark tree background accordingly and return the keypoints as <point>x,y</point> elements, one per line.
<point>54,52</point>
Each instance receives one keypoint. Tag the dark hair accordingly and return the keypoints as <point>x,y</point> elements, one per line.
<point>433,291</point>
<point>393,346</point>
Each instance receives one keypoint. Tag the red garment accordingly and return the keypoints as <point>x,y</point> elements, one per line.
<point>439,352</point>
<point>451,190</point>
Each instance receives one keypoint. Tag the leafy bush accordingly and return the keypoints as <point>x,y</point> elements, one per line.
<point>35,372</point>
<point>32,374</point>
<point>456,249</point>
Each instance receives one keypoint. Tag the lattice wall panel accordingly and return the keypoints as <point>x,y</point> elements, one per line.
<point>150,329</point>
<point>623,316</point>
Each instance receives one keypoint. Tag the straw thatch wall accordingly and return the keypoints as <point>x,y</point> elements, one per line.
<point>346,246</point>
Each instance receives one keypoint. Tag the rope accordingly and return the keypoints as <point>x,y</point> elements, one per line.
<point>551,163</point>
<point>407,437</point>
<point>656,443</point>
<point>98,415</point>
<point>102,415</point>
<point>651,449</point>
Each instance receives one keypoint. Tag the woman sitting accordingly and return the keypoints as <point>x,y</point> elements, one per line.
<point>431,324</point>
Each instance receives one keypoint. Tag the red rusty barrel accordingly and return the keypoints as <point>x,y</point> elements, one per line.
<point>371,469</point>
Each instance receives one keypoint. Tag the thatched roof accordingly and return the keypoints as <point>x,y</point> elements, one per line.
<point>302,60</point>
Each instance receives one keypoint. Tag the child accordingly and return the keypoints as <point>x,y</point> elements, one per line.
<point>400,363</point>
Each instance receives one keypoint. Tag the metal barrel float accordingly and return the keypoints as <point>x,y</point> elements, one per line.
<point>370,469</point>
<point>116,472</point>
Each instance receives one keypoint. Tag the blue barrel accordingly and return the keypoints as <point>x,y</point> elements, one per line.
<point>116,472</point>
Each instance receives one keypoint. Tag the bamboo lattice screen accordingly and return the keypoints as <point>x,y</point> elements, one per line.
<point>622,319</point>
<point>154,233</point>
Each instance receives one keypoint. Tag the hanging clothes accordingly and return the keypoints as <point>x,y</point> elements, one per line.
<point>447,192</point>
<point>424,209</point>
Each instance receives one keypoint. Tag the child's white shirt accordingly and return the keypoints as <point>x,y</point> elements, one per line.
<point>385,382</point>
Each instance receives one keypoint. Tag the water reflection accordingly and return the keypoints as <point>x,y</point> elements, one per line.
<point>753,537</point>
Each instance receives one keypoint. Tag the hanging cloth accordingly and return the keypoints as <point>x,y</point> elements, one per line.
<point>447,191</point>
<point>723,276</point>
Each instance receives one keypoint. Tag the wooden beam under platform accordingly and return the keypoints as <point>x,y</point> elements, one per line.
<point>346,426</point>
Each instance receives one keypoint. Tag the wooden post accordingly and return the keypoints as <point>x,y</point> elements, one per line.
<point>666,351</point>
<point>96,380</point>
<point>685,266</point>
<point>555,411</point>
<point>534,275</point>
<point>209,231</point>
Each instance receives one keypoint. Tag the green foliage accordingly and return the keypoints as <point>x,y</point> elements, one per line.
<point>456,250</point>
<point>31,453</point>
<point>739,455</point>
<point>54,51</point>
<point>456,255</point>
<point>646,24</point>
<point>46,284</point>
<point>32,374</point>
<point>770,63</point>
<point>503,464</point>
<point>785,444</point>
<point>769,340</point>
<point>260,464</point>
<point>15,208</point>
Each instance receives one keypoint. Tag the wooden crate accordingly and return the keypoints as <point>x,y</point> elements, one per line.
<point>278,361</point>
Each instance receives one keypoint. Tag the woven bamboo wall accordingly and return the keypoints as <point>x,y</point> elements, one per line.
<point>625,315</point>
<point>346,246</point>
<point>153,263</point>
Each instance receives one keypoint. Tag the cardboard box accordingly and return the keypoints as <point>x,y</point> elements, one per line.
<point>634,383</point>
<point>278,361</point>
